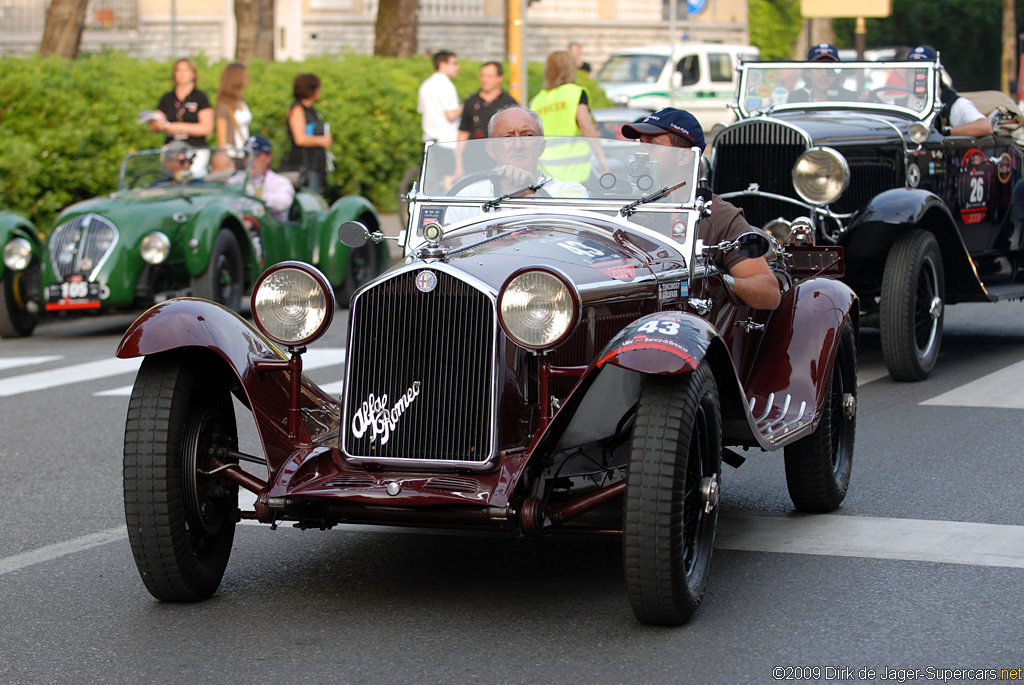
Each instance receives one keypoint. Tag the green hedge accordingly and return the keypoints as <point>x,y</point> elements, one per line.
<point>65,125</point>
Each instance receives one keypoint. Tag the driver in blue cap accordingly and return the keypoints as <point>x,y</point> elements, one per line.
<point>276,191</point>
<point>752,280</point>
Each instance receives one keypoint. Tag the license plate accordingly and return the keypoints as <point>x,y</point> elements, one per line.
<point>73,295</point>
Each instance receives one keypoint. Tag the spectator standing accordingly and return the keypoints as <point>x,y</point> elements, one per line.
<point>576,50</point>
<point>309,135</point>
<point>232,114</point>
<point>479,107</point>
<point>958,116</point>
<point>440,108</point>
<point>186,111</point>
<point>564,110</point>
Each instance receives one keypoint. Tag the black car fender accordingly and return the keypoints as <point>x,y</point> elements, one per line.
<point>889,215</point>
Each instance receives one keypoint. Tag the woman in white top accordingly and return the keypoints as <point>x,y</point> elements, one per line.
<point>232,114</point>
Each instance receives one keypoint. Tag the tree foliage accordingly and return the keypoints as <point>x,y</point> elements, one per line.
<point>774,26</point>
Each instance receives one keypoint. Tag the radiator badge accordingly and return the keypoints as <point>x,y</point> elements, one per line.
<point>426,281</point>
<point>374,417</point>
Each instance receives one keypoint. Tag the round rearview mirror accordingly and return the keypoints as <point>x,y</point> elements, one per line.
<point>752,245</point>
<point>353,234</point>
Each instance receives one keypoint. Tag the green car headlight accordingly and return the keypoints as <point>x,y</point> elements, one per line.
<point>293,303</point>
<point>538,307</point>
<point>17,254</point>
<point>155,247</point>
<point>820,175</point>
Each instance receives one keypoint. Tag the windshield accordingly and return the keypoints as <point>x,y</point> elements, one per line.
<point>906,87</point>
<point>631,69</point>
<point>181,165</point>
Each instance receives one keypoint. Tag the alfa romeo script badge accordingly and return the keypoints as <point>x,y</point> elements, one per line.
<point>426,281</point>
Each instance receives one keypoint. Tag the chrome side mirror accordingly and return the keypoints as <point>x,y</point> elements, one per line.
<point>353,233</point>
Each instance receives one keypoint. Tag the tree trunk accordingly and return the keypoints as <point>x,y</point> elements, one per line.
<point>1009,63</point>
<point>255,30</point>
<point>397,24</point>
<point>62,34</point>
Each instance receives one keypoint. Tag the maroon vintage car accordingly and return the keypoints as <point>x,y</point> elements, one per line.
<point>561,358</point>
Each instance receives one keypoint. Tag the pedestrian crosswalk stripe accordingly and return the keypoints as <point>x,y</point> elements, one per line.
<point>1003,389</point>
<point>15,362</point>
<point>66,375</point>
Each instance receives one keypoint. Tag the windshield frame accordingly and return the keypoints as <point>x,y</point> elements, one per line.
<point>204,178</point>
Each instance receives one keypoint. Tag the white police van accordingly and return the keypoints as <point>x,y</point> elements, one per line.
<point>700,76</point>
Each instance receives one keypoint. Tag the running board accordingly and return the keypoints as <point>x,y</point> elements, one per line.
<point>1005,291</point>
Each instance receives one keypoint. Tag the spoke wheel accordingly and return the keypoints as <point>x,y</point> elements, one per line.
<point>224,279</point>
<point>16,320</point>
<point>671,502</point>
<point>181,518</point>
<point>818,467</point>
<point>912,306</point>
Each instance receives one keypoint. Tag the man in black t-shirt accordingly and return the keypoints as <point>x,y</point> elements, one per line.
<point>482,105</point>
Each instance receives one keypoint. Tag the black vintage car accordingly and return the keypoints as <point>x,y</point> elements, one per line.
<point>553,358</point>
<point>925,219</point>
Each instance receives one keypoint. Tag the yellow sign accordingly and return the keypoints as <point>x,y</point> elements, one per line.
<point>848,8</point>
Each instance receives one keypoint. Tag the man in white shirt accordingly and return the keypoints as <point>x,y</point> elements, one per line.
<point>959,116</point>
<point>440,106</point>
<point>276,191</point>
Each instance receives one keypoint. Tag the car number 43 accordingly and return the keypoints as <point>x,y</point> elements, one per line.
<point>663,327</point>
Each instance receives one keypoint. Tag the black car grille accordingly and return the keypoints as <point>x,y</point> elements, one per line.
<point>436,348</point>
<point>764,153</point>
<point>80,245</point>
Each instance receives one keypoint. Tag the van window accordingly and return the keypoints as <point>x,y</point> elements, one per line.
<point>632,69</point>
<point>720,66</point>
<point>689,67</point>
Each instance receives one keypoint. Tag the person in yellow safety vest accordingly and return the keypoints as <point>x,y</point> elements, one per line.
<point>565,111</point>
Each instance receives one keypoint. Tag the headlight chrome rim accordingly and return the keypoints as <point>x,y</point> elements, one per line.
<point>541,328</point>
<point>820,175</point>
<point>155,248</point>
<point>17,254</point>
<point>284,298</point>
<point>918,133</point>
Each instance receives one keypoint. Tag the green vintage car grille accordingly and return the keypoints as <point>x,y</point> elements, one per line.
<point>81,245</point>
<point>435,348</point>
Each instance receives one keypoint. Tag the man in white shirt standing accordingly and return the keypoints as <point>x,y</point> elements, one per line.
<point>276,191</point>
<point>439,103</point>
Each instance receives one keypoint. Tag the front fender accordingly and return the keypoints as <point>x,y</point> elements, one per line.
<point>204,227</point>
<point>15,226</point>
<point>888,216</point>
<point>203,327</point>
<point>332,255</point>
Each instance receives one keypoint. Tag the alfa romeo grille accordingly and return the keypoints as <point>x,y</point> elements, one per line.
<point>420,371</point>
<point>80,245</point>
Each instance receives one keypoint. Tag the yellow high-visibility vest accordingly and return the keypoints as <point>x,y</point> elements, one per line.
<point>567,160</point>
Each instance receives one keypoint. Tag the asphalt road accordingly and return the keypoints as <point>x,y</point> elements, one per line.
<point>921,568</point>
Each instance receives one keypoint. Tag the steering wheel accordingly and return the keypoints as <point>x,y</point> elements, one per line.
<point>147,179</point>
<point>493,176</point>
<point>874,93</point>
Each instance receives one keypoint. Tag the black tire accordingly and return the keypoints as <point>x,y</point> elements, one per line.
<point>181,523</point>
<point>411,175</point>
<point>818,466</point>
<point>670,511</point>
<point>224,279</point>
<point>363,267</point>
<point>16,321</point>
<point>912,306</point>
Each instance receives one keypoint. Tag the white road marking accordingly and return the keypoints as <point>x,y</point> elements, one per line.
<point>61,549</point>
<point>15,362</point>
<point>947,542</point>
<point>870,373</point>
<point>313,359</point>
<point>66,375</point>
<point>1003,389</point>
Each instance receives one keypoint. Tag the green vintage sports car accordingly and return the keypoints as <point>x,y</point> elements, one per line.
<point>166,234</point>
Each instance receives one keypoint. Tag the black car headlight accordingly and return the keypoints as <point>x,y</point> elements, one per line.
<point>17,254</point>
<point>293,303</point>
<point>538,307</point>
<point>820,175</point>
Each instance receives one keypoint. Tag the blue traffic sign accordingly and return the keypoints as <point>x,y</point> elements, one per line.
<point>696,6</point>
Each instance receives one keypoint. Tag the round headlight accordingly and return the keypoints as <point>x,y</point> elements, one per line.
<point>918,132</point>
<point>293,303</point>
<point>820,175</point>
<point>538,308</point>
<point>155,247</point>
<point>17,254</point>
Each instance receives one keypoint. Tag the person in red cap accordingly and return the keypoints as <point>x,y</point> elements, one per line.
<point>752,280</point>
<point>958,116</point>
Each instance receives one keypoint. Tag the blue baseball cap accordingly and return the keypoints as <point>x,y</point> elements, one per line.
<point>671,120</point>
<point>923,52</point>
<point>258,144</point>
<point>823,52</point>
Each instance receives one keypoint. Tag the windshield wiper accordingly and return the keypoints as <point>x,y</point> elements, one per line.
<point>631,207</point>
<point>491,204</point>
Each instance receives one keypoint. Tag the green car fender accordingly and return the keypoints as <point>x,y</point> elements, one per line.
<point>15,226</point>
<point>201,231</point>
<point>331,256</point>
